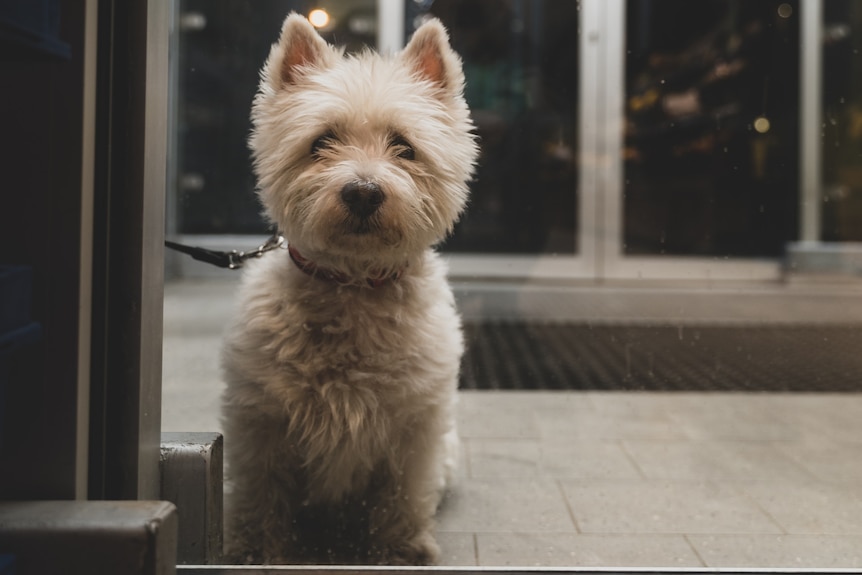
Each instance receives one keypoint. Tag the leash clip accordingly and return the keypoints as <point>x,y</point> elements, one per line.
<point>237,258</point>
<point>233,259</point>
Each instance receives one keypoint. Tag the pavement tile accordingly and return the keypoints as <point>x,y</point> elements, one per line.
<point>690,460</point>
<point>779,551</point>
<point>572,550</point>
<point>812,508</point>
<point>457,549</point>
<point>505,505</point>
<point>491,458</point>
<point>668,507</point>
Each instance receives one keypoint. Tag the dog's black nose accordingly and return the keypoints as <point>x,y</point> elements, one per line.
<point>362,198</point>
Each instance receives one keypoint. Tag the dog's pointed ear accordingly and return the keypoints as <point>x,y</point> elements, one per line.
<point>431,58</point>
<point>299,49</point>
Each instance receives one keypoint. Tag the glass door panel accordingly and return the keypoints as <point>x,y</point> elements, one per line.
<point>520,62</point>
<point>710,157</point>
<point>842,121</point>
<point>221,47</point>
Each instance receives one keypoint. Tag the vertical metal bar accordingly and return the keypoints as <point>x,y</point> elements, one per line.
<point>88,159</point>
<point>152,247</point>
<point>173,265</point>
<point>390,26</point>
<point>589,222</point>
<point>811,85</point>
<point>128,253</point>
<point>611,134</point>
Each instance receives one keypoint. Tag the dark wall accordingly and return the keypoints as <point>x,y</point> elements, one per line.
<point>41,102</point>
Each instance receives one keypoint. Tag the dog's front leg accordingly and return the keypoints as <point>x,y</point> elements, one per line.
<point>402,521</point>
<point>263,492</point>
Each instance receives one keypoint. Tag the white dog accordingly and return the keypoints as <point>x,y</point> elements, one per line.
<point>342,363</point>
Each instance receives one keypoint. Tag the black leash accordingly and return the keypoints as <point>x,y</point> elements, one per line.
<point>233,259</point>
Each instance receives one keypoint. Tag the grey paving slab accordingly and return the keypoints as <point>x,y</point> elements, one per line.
<point>491,458</point>
<point>490,421</point>
<point>525,400</point>
<point>505,505</point>
<point>713,425</point>
<point>191,383</point>
<point>813,508</point>
<point>699,460</point>
<point>559,424</point>
<point>644,404</point>
<point>457,549</point>
<point>779,551</point>
<point>572,550</point>
<point>828,461</point>
<point>668,507</point>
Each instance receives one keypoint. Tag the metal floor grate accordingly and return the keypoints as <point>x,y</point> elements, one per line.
<point>532,355</point>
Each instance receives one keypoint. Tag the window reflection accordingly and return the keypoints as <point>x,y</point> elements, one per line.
<point>520,61</point>
<point>712,137</point>
<point>221,46</point>
<point>842,121</point>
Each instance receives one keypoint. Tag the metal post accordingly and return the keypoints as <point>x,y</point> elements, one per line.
<point>811,85</point>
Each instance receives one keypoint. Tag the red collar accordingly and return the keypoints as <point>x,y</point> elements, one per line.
<point>312,269</point>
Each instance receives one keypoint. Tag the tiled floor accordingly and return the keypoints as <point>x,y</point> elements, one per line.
<point>614,479</point>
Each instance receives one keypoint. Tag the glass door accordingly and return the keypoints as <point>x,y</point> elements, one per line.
<point>700,137</point>
<point>521,62</point>
<point>629,139</point>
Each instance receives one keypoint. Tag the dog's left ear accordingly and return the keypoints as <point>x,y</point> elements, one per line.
<point>429,55</point>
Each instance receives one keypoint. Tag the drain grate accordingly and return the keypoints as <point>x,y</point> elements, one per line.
<point>532,355</point>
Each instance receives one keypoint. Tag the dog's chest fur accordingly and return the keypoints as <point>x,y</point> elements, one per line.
<point>348,372</point>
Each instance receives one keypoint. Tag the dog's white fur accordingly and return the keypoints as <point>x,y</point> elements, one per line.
<point>338,412</point>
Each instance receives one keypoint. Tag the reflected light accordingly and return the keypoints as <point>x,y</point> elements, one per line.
<point>761,125</point>
<point>318,17</point>
<point>785,10</point>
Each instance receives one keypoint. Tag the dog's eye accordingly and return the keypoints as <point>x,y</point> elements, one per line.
<point>323,142</point>
<point>402,148</point>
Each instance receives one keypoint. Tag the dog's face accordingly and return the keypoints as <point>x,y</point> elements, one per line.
<point>362,156</point>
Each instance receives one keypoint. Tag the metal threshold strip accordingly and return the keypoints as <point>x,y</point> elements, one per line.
<point>364,570</point>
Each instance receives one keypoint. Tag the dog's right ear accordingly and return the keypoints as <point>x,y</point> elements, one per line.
<point>299,49</point>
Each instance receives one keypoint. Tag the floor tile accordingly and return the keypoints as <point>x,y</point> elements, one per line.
<point>490,458</point>
<point>813,508</point>
<point>828,461</point>
<point>496,422</point>
<point>670,507</point>
<point>779,551</point>
<point>520,400</point>
<point>743,425</point>
<point>192,384</point>
<point>457,549</point>
<point>505,505</point>
<point>690,460</point>
<point>559,425</point>
<point>571,550</point>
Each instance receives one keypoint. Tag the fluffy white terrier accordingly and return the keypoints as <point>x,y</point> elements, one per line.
<point>342,364</point>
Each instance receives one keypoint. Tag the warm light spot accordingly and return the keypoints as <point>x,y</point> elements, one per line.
<point>785,10</point>
<point>319,18</point>
<point>761,125</point>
